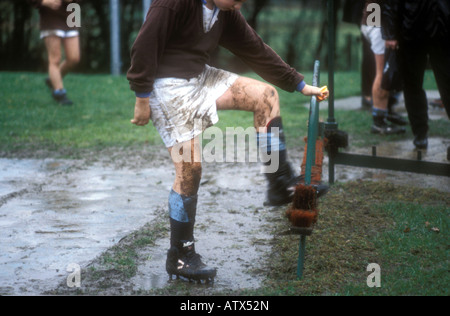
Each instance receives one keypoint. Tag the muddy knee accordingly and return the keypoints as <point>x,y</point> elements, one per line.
<point>268,107</point>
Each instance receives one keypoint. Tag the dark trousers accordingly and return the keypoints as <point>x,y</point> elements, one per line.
<point>368,68</point>
<point>414,58</point>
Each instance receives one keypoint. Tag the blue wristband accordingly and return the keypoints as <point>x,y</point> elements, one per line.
<point>143,94</point>
<point>301,85</point>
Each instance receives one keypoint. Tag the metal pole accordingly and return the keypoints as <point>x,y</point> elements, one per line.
<point>115,37</point>
<point>331,121</point>
<point>313,128</point>
<point>331,49</point>
<point>313,133</point>
<point>145,7</point>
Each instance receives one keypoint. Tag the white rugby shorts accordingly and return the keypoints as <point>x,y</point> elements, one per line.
<point>182,109</point>
<point>373,35</point>
<point>59,33</point>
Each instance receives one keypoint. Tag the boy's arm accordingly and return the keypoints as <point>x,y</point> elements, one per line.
<point>244,42</point>
<point>148,49</point>
<point>239,38</point>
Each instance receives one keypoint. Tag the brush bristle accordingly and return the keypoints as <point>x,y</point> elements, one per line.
<point>302,218</point>
<point>304,197</point>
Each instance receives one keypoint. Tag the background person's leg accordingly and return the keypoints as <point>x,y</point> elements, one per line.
<point>72,52</point>
<point>53,45</point>
<point>413,58</point>
<point>440,62</point>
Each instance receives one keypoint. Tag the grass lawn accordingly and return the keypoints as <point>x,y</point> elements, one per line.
<point>31,121</point>
<point>403,229</point>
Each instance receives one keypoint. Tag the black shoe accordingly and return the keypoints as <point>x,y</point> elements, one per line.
<point>421,141</point>
<point>187,263</point>
<point>61,98</point>
<point>281,186</point>
<point>396,118</point>
<point>383,128</point>
<point>281,189</point>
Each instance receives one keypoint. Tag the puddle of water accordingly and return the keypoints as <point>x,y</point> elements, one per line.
<point>14,173</point>
<point>66,213</point>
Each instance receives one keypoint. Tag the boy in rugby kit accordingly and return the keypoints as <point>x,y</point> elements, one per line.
<point>177,89</point>
<point>381,115</point>
<point>56,33</point>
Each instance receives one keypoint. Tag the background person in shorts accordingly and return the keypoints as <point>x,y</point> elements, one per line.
<point>380,96</point>
<point>56,33</point>
<point>169,72</point>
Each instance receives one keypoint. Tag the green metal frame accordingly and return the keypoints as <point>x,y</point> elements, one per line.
<point>337,158</point>
<point>313,127</point>
<point>314,131</point>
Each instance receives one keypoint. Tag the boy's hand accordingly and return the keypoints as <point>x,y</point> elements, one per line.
<point>141,112</point>
<point>322,94</point>
<point>392,44</point>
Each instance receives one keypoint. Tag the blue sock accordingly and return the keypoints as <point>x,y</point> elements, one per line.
<point>273,142</point>
<point>182,212</point>
<point>60,92</point>
<point>379,113</point>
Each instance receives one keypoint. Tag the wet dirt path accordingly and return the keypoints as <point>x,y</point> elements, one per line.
<point>57,212</point>
<point>54,213</point>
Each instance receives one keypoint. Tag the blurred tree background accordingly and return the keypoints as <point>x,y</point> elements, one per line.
<point>296,29</point>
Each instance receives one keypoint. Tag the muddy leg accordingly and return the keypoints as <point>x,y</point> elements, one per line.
<point>253,96</point>
<point>183,197</point>
<point>263,100</point>
<point>182,259</point>
<point>186,158</point>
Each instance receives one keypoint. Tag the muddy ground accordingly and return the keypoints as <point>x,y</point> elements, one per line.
<point>58,212</point>
<point>107,213</point>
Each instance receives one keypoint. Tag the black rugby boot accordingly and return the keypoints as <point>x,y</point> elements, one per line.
<point>186,263</point>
